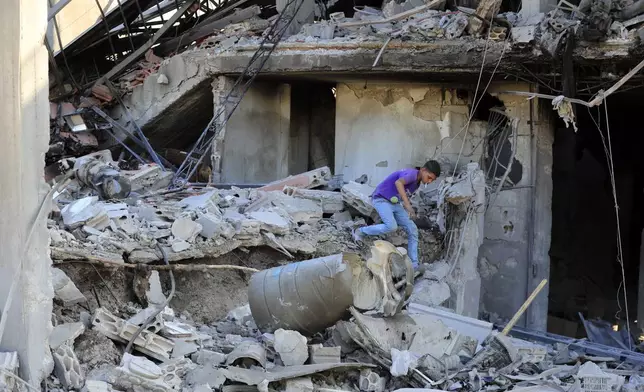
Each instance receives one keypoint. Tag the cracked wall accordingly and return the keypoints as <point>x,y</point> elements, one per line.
<point>257,138</point>
<point>381,128</point>
<point>514,256</point>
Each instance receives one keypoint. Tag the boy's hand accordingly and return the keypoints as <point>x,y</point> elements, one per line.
<point>410,211</point>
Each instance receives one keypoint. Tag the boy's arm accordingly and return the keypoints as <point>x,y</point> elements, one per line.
<point>400,186</point>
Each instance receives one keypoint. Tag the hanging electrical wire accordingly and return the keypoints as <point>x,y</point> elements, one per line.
<point>608,151</point>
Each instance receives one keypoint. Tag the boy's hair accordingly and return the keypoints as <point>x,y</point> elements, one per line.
<point>433,167</point>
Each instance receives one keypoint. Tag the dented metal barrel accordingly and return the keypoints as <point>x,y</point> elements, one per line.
<point>307,296</point>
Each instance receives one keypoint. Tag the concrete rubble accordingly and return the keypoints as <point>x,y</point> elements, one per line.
<point>357,319</point>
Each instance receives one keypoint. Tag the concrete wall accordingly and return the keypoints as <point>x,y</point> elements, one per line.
<point>387,127</point>
<point>257,137</point>
<point>514,256</point>
<point>24,109</point>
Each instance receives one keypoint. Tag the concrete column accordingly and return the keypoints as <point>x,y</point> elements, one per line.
<point>541,213</point>
<point>24,110</point>
<point>221,86</point>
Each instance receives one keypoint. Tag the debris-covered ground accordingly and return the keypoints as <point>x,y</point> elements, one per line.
<point>350,317</point>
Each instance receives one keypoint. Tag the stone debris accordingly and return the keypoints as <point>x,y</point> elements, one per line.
<point>292,347</point>
<point>321,354</point>
<point>64,289</point>
<point>9,365</point>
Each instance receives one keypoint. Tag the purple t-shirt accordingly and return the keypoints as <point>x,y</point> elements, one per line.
<point>387,188</point>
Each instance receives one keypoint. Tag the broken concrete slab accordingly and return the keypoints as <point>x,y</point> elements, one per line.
<point>278,373</point>
<point>203,357</point>
<point>97,386</point>
<point>186,229</point>
<point>430,293</point>
<point>9,364</point>
<point>64,289</point>
<point>436,271</point>
<point>271,221</point>
<point>139,372</point>
<point>214,226</point>
<point>247,350</point>
<point>291,346</point>
<point>358,196</point>
<point>240,315</point>
<point>320,354</point>
<point>300,384</point>
<point>310,179</point>
<point>149,178</point>
<point>154,292</point>
<point>202,202</point>
<point>331,202</point>
<point>180,246</point>
<point>65,333</point>
<point>206,374</point>
<point>467,326</point>
<point>76,213</point>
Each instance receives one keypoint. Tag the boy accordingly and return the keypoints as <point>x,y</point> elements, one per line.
<point>391,201</point>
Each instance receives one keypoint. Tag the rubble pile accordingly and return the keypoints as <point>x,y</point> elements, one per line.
<point>417,347</point>
<point>116,216</point>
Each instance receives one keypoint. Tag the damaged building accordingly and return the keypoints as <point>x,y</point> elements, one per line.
<point>206,163</point>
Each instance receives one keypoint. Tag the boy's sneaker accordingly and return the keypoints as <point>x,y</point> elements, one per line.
<point>358,237</point>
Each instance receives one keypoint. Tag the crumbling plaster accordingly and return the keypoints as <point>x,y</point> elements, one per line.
<point>381,128</point>
<point>24,109</point>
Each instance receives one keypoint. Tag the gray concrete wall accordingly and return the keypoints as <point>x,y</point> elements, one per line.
<point>514,256</point>
<point>387,127</point>
<point>257,138</point>
<point>24,110</point>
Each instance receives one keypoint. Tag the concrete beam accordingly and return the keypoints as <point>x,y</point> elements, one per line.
<point>24,111</point>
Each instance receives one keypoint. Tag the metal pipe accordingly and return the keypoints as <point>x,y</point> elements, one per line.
<point>126,24</point>
<point>107,28</point>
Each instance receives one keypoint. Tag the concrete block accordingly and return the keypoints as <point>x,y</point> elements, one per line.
<point>65,290</point>
<point>214,226</point>
<point>118,329</point>
<point>319,30</point>
<point>139,372</point>
<point>208,357</point>
<point>291,346</point>
<point>97,386</point>
<point>154,293</point>
<point>78,212</point>
<point>9,363</point>
<point>173,329</point>
<point>300,210</point>
<point>67,367</point>
<point>320,354</point>
<point>174,371</point>
<point>430,292</point>
<point>330,201</point>
<point>371,381</point>
<point>344,216</point>
<point>202,202</point>
<point>148,178</point>
<point>155,325</point>
<point>271,221</point>
<point>180,246</point>
<point>358,196</point>
<point>240,315</point>
<point>183,347</point>
<point>300,384</point>
<point>186,229</point>
<point>310,179</point>
<point>65,334</point>
<point>206,375</point>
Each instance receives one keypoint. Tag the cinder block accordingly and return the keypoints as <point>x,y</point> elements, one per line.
<point>118,329</point>
<point>320,354</point>
<point>67,367</point>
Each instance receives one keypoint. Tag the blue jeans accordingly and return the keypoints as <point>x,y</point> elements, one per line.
<point>394,215</point>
